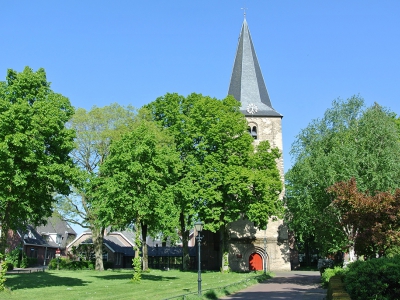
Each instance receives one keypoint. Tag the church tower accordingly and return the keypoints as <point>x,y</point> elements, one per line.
<point>251,248</point>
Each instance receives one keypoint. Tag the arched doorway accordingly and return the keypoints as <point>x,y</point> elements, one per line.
<point>255,262</point>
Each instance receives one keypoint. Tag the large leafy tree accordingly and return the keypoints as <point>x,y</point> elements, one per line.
<point>95,129</point>
<point>34,148</point>
<point>349,141</point>
<point>137,182</point>
<point>223,177</point>
<point>372,220</point>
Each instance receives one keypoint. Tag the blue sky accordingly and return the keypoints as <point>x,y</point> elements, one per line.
<point>131,52</point>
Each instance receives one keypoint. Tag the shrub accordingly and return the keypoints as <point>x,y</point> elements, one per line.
<point>377,279</point>
<point>90,265</point>
<point>13,257</point>
<point>24,261</point>
<point>336,290</point>
<point>10,266</point>
<point>66,264</point>
<point>31,261</point>
<point>329,273</point>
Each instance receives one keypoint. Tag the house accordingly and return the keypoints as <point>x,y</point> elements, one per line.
<point>41,242</point>
<point>117,247</point>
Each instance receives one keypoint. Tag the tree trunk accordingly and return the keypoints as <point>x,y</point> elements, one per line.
<point>145,260</point>
<point>351,253</point>
<point>223,247</point>
<point>185,240</point>
<point>3,237</point>
<point>97,238</point>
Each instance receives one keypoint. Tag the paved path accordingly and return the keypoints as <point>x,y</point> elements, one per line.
<point>299,285</point>
<point>27,270</point>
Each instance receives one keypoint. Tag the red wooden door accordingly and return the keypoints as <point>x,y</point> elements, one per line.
<point>255,262</point>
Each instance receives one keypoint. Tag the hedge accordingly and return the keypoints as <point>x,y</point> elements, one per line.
<point>336,289</point>
<point>377,279</point>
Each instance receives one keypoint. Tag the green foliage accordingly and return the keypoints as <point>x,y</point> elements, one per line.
<point>374,279</point>
<point>32,261</point>
<point>220,164</point>
<point>137,175</point>
<point>137,261</point>
<point>13,257</point>
<point>3,271</point>
<point>393,251</point>
<point>329,273</point>
<point>18,259</point>
<point>95,131</point>
<point>34,147</point>
<point>349,141</point>
<point>336,290</point>
<point>137,269</point>
<point>137,181</point>
<point>66,264</point>
<point>24,261</point>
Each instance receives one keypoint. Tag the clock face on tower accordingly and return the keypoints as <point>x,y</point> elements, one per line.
<point>252,108</point>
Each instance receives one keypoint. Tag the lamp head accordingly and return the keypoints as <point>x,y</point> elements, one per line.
<point>199,226</point>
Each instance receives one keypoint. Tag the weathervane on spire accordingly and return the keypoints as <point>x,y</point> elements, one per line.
<point>244,11</point>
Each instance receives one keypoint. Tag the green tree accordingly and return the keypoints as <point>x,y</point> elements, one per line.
<point>349,141</point>
<point>34,149</point>
<point>136,181</point>
<point>95,129</point>
<point>222,175</point>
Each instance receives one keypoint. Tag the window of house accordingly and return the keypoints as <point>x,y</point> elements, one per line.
<point>118,257</point>
<point>33,253</point>
<point>59,239</point>
<point>31,235</point>
<point>105,255</point>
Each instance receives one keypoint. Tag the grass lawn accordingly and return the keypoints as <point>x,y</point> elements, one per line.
<point>116,284</point>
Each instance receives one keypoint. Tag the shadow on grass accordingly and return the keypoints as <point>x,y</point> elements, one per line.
<point>157,277</point>
<point>210,295</point>
<point>127,276</point>
<point>40,280</point>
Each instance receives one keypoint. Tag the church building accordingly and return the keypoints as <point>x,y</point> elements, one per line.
<point>251,248</point>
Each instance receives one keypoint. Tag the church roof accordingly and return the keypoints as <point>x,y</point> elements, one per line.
<point>247,83</point>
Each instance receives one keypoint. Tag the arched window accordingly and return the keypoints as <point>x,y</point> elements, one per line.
<point>253,131</point>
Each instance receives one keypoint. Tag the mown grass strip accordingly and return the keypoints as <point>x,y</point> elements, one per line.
<point>116,284</point>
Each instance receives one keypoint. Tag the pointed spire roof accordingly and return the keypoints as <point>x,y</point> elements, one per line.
<point>247,83</point>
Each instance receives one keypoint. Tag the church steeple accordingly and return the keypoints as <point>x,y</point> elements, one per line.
<point>247,83</point>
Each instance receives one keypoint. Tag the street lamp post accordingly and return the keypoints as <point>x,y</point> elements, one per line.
<point>58,254</point>
<point>265,250</point>
<point>199,228</point>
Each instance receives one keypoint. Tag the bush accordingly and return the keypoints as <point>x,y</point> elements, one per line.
<point>10,266</point>
<point>32,261</point>
<point>24,261</point>
<point>66,264</point>
<point>377,279</point>
<point>329,273</point>
<point>336,290</point>
<point>13,257</point>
